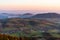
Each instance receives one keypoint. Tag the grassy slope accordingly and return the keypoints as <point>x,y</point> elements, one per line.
<point>26,26</point>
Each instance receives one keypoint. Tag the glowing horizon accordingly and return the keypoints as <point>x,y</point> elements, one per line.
<point>42,5</point>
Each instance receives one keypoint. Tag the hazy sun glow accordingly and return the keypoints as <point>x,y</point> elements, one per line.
<point>52,5</point>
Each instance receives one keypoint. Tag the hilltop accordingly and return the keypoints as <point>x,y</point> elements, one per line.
<point>47,15</point>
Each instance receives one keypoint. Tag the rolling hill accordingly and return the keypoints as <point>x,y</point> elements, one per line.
<point>47,15</point>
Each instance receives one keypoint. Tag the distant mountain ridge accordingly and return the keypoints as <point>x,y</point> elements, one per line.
<point>29,15</point>
<point>46,15</point>
<point>26,15</point>
<point>3,16</point>
<point>6,15</point>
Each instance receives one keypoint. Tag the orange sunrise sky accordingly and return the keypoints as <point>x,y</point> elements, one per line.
<point>41,5</point>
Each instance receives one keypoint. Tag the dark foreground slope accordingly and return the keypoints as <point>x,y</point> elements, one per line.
<point>46,36</point>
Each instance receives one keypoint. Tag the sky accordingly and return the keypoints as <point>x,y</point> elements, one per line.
<point>29,6</point>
